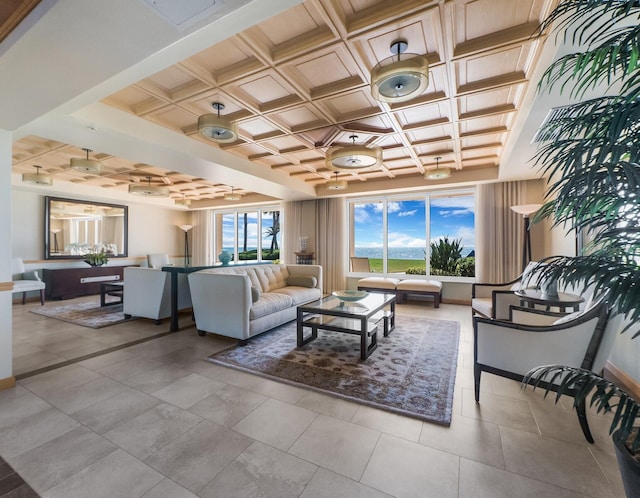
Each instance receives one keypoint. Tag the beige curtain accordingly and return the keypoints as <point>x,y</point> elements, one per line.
<point>292,218</point>
<point>330,241</point>
<point>202,238</point>
<point>499,231</point>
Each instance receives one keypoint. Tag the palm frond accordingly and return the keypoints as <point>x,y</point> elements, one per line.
<point>581,384</point>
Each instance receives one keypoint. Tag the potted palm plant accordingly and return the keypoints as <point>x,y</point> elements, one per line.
<point>590,152</point>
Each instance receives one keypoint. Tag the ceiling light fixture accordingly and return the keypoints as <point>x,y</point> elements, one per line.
<point>438,173</point>
<point>336,184</point>
<point>352,157</point>
<point>87,165</point>
<point>36,178</point>
<point>232,196</point>
<point>183,201</point>
<point>149,190</point>
<point>216,128</point>
<point>400,77</point>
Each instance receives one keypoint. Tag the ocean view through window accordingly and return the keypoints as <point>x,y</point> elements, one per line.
<point>393,233</point>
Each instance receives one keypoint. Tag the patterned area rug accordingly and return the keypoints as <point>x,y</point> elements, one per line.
<point>412,372</point>
<point>87,314</point>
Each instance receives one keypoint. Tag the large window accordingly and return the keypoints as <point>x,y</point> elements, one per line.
<point>421,235</point>
<point>248,235</point>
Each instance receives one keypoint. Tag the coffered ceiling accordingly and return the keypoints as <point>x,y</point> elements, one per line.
<point>298,83</point>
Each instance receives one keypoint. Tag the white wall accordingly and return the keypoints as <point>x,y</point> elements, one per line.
<point>5,257</point>
<point>152,229</point>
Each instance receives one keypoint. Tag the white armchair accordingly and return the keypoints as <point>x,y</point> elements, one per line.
<point>24,281</point>
<point>147,293</point>
<point>510,349</point>
<point>158,260</point>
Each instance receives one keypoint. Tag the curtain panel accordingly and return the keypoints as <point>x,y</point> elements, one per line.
<point>202,238</point>
<point>292,215</point>
<point>330,241</point>
<point>499,231</point>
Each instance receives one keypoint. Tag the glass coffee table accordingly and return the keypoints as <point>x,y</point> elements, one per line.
<point>360,317</point>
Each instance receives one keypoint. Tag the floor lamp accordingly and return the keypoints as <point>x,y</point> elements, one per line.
<point>526,210</point>
<point>55,233</point>
<point>186,229</point>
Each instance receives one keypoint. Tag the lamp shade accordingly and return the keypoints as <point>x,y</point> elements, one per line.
<point>336,184</point>
<point>36,178</point>
<point>86,165</point>
<point>232,196</point>
<point>217,128</point>
<point>149,190</point>
<point>438,173</point>
<point>185,228</point>
<point>526,210</point>
<point>401,77</point>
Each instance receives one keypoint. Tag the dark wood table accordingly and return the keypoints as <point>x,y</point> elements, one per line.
<point>111,289</point>
<point>351,317</point>
<point>562,301</point>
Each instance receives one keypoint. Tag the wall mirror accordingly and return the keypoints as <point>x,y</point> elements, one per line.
<point>74,228</point>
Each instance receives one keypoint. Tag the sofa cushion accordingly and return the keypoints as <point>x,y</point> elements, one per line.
<point>269,302</point>
<point>300,295</point>
<point>302,281</point>
<point>255,294</point>
<point>482,305</point>
<point>272,277</point>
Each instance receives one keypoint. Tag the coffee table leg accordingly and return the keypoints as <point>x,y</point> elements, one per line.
<point>301,341</point>
<point>366,350</point>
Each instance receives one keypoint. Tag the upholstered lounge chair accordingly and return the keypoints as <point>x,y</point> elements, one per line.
<point>158,260</point>
<point>24,281</point>
<point>494,300</point>
<point>510,349</point>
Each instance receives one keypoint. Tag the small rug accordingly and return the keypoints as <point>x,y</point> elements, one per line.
<point>87,314</point>
<point>412,372</point>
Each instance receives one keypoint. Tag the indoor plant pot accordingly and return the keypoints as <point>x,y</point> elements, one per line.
<point>629,467</point>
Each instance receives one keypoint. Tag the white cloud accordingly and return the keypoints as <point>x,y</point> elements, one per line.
<point>399,239</point>
<point>408,213</point>
<point>467,235</point>
<point>393,207</point>
<point>456,205</point>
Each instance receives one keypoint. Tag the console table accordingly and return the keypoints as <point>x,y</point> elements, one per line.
<point>65,283</point>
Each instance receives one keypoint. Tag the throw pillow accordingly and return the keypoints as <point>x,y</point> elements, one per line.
<point>255,294</point>
<point>302,281</point>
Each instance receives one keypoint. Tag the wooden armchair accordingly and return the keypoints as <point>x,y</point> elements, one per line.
<point>510,349</point>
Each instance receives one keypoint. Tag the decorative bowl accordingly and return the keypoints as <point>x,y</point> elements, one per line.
<point>350,295</point>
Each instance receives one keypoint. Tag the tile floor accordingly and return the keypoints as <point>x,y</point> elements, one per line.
<point>156,420</point>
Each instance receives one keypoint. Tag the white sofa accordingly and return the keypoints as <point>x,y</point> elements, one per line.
<point>147,293</point>
<point>242,302</point>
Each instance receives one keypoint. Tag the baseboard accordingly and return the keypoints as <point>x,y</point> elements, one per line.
<point>622,380</point>
<point>456,301</point>
<point>7,383</point>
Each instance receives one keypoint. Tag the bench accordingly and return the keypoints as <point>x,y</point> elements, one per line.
<point>403,288</point>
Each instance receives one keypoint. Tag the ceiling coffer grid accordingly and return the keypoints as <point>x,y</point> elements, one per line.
<point>298,84</point>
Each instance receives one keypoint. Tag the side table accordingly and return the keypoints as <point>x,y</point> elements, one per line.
<point>562,301</point>
<point>115,289</point>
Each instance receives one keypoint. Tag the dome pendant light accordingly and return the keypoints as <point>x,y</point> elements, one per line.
<point>353,157</point>
<point>87,165</point>
<point>183,201</point>
<point>336,184</point>
<point>438,173</point>
<point>36,178</point>
<point>400,77</point>
<point>149,190</point>
<point>232,196</point>
<point>216,128</point>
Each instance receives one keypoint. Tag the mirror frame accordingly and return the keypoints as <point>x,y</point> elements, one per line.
<point>47,227</point>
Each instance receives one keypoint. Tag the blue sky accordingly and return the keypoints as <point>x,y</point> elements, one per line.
<point>450,216</point>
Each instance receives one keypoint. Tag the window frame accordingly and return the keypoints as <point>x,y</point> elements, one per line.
<point>405,196</point>
<point>218,236</point>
